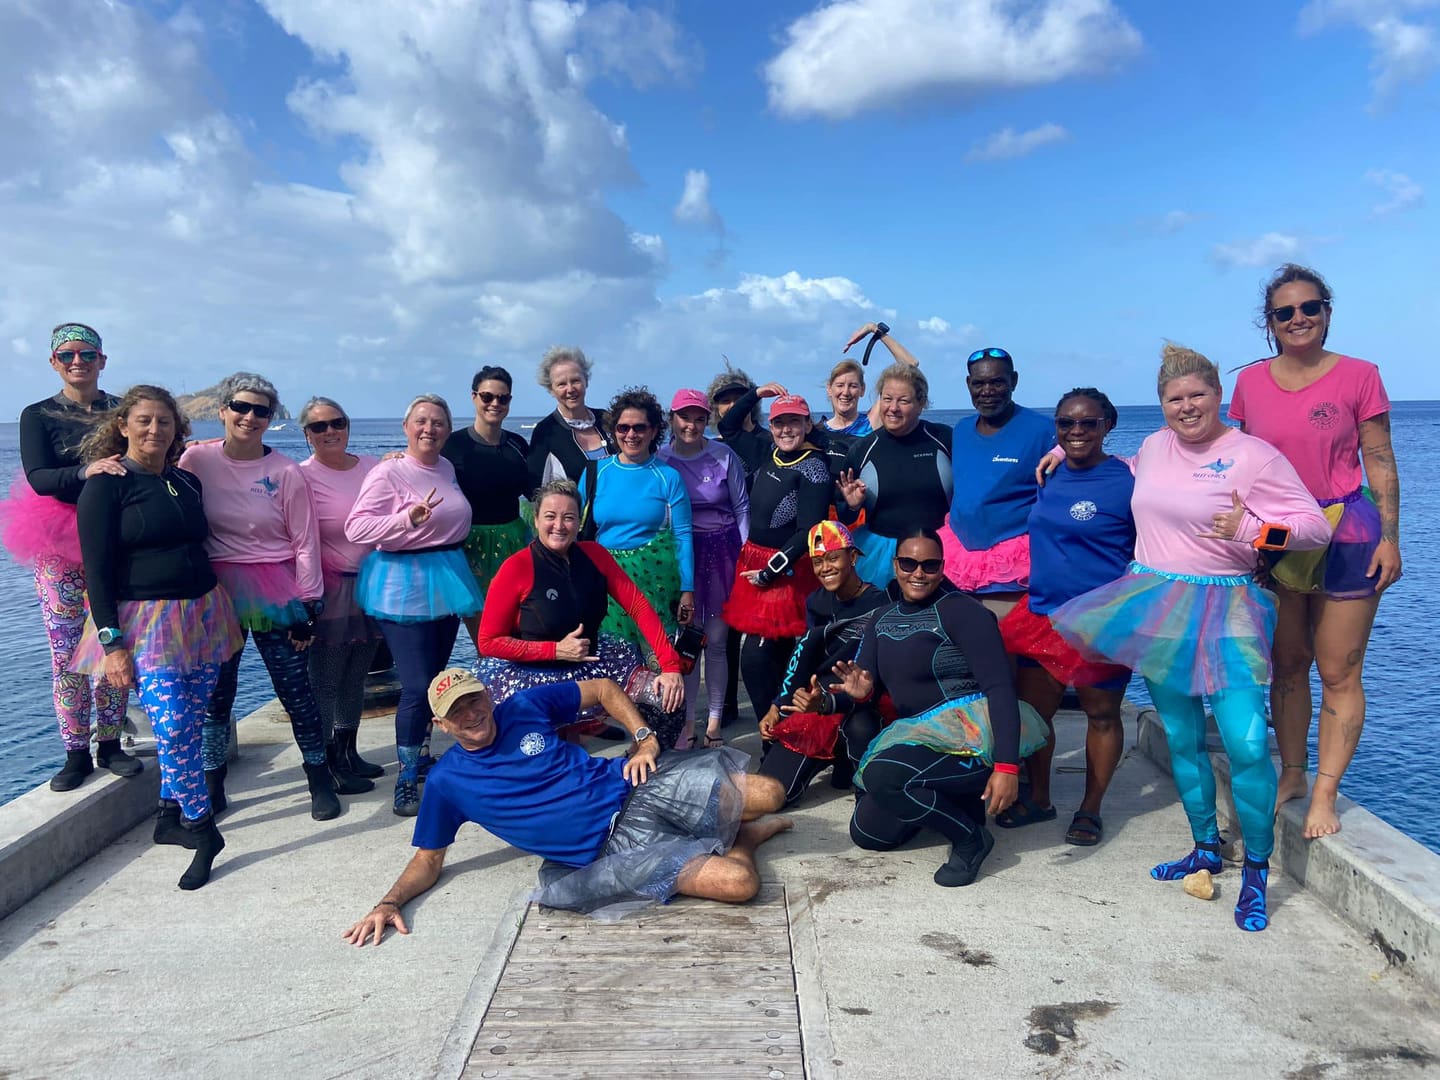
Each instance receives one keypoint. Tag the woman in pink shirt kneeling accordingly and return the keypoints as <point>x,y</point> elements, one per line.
<point>1189,616</point>
<point>416,584</point>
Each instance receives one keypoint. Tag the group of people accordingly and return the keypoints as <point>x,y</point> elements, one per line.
<point>905,603</point>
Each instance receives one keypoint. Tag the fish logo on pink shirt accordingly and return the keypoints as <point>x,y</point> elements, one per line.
<point>265,486</point>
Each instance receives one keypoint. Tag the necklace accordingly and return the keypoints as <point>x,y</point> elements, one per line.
<point>863,585</point>
<point>775,457</point>
<point>578,425</point>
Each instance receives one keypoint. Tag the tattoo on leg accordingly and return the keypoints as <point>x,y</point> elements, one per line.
<point>1328,711</point>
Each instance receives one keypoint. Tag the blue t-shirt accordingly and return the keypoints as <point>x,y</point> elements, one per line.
<point>994,497</point>
<point>859,427</point>
<point>1082,534</point>
<point>529,787</point>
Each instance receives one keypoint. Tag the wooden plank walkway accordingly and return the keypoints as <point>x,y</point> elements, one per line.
<point>689,989</point>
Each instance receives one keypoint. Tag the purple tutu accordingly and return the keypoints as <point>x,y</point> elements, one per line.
<point>168,635</point>
<point>266,595</point>
<point>33,526</point>
<point>343,622</point>
<point>716,554</point>
<point>1338,569</point>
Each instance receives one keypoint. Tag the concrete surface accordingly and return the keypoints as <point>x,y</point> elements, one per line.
<point>1059,961</point>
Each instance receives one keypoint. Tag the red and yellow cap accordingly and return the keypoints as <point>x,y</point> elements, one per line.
<point>831,536</point>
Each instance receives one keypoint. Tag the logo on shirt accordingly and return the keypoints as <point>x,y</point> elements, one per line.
<point>532,743</point>
<point>265,486</point>
<point>1214,470</point>
<point>1083,510</point>
<point>552,594</point>
<point>1324,414</point>
<point>1000,460</point>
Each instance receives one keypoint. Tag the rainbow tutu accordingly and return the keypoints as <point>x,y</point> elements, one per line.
<point>876,563</point>
<point>418,586</point>
<point>487,546</point>
<point>1338,569</point>
<point>266,595</point>
<point>1003,567</point>
<point>343,622</point>
<point>168,635</point>
<point>1192,634</point>
<point>959,727</point>
<point>35,526</point>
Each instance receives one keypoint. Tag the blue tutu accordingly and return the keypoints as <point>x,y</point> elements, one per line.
<point>877,565</point>
<point>1191,634</point>
<point>404,586</point>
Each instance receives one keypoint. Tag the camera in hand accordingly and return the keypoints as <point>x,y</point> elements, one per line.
<point>689,641</point>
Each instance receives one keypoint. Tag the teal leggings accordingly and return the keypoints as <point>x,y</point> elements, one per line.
<point>1240,716</point>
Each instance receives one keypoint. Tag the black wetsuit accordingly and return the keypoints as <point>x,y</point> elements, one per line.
<point>753,447</point>
<point>493,478</point>
<point>50,435</point>
<point>907,479</point>
<point>553,438</point>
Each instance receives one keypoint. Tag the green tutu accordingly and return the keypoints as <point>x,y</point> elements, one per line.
<point>655,570</point>
<point>488,546</point>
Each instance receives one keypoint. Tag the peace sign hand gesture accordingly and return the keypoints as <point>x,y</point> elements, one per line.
<point>420,511</point>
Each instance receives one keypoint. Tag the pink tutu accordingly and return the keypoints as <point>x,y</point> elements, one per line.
<point>266,595</point>
<point>168,635</point>
<point>33,525</point>
<point>1007,563</point>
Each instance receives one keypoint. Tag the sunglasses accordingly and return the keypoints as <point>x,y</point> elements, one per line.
<point>244,408</point>
<point>88,356</point>
<point>487,398</point>
<point>988,354</point>
<point>1084,423</point>
<point>908,565</point>
<point>319,427</point>
<point>1310,308</point>
<point>631,429</point>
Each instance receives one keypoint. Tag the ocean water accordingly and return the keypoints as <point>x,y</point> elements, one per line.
<point>1398,726</point>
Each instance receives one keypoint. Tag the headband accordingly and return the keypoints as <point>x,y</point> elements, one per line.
<point>73,331</point>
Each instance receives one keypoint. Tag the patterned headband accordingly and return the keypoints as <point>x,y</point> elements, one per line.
<point>73,331</point>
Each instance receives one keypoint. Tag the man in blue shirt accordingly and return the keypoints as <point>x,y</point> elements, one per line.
<point>612,830</point>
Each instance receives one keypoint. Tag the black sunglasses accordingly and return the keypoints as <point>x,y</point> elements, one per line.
<point>319,427</point>
<point>988,354</point>
<point>631,429</point>
<point>242,408</point>
<point>88,356</point>
<point>487,398</point>
<point>1084,423</point>
<point>1310,308</point>
<point>908,565</point>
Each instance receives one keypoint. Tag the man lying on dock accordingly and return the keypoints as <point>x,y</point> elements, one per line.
<point>615,833</point>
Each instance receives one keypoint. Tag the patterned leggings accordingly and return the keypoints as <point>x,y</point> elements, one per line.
<point>337,675</point>
<point>61,587</point>
<point>909,787</point>
<point>175,702</point>
<point>290,676</point>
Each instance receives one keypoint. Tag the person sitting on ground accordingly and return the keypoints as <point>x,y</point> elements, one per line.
<point>612,831</point>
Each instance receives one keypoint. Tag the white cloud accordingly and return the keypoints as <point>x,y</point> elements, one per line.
<point>933,325</point>
<point>1265,250</point>
<point>1403,193</point>
<point>694,206</point>
<point>851,56</point>
<point>1006,143</point>
<point>1171,222</point>
<point>1406,48</point>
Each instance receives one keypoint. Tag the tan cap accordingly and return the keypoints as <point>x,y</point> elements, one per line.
<point>449,687</point>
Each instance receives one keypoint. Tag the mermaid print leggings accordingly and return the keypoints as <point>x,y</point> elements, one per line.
<point>175,702</point>
<point>60,585</point>
<point>290,676</point>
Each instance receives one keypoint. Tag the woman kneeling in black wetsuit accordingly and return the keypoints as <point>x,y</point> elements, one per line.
<point>954,753</point>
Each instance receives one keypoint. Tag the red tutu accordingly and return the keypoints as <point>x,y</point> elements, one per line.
<point>815,734</point>
<point>1007,563</point>
<point>1030,635</point>
<point>32,526</point>
<point>776,611</point>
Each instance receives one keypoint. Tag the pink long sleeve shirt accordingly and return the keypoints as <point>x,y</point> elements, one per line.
<point>381,515</point>
<point>333,492</point>
<point>1180,487</point>
<point>259,512</point>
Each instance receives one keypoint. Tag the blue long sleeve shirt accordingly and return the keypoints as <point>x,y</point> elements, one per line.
<point>633,503</point>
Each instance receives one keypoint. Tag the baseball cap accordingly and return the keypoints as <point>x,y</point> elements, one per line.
<point>831,536</point>
<point>790,405</point>
<point>449,687</point>
<point>689,399</point>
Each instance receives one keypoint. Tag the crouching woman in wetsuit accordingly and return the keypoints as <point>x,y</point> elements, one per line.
<point>955,752</point>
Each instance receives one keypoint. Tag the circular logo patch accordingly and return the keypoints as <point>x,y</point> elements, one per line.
<point>1083,510</point>
<point>532,743</point>
<point>1324,414</point>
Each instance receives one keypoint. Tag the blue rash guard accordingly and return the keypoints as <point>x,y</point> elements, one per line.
<point>529,787</point>
<point>1082,534</point>
<point>633,503</point>
<point>994,499</point>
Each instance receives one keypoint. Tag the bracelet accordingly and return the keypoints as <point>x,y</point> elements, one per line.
<point>1007,769</point>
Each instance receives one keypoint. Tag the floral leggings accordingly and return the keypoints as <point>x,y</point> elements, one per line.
<point>175,702</point>
<point>61,588</point>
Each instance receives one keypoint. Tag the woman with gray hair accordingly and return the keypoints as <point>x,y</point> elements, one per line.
<point>574,433</point>
<point>345,637</point>
<point>415,582</point>
<point>265,549</point>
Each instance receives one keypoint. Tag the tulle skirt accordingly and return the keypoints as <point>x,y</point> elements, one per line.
<point>488,546</point>
<point>34,525</point>
<point>168,635</point>
<point>1337,570</point>
<point>418,586</point>
<point>814,734</point>
<point>1191,634</point>
<point>655,570</point>
<point>1029,635</point>
<point>1005,564</point>
<point>716,556</point>
<point>960,727</point>
<point>778,609</point>
<point>343,622</point>
<point>266,595</point>
<point>876,563</point>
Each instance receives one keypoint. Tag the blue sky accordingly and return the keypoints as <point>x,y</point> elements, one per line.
<point>368,199</point>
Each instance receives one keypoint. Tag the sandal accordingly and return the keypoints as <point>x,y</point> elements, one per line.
<point>715,741</point>
<point>1024,812</point>
<point>1085,835</point>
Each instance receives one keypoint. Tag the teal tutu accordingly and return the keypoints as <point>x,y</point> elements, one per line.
<point>877,565</point>
<point>960,727</point>
<point>1193,635</point>
<point>404,586</point>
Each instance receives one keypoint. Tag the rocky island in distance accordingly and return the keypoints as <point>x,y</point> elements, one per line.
<point>205,405</point>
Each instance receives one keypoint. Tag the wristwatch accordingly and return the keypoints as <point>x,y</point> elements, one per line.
<point>109,635</point>
<point>881,329</point>
<point>641,734</point>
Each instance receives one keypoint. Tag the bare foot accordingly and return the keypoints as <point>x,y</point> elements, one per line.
<point>1293,785</point>
<point>1321,819</point>
<point>754,833</point>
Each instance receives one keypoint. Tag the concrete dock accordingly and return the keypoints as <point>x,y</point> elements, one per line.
<point>1059,962</point>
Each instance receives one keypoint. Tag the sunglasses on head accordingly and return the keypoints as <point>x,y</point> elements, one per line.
<point>1084,423</point>
<point>319,427</point>
<point>88,356</point>
<point>1310,308</point>
<point>487,398</point>
<point>908,565</point>
<point>631,429</point>
<point>242,408</point>
<point>988,354</point>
